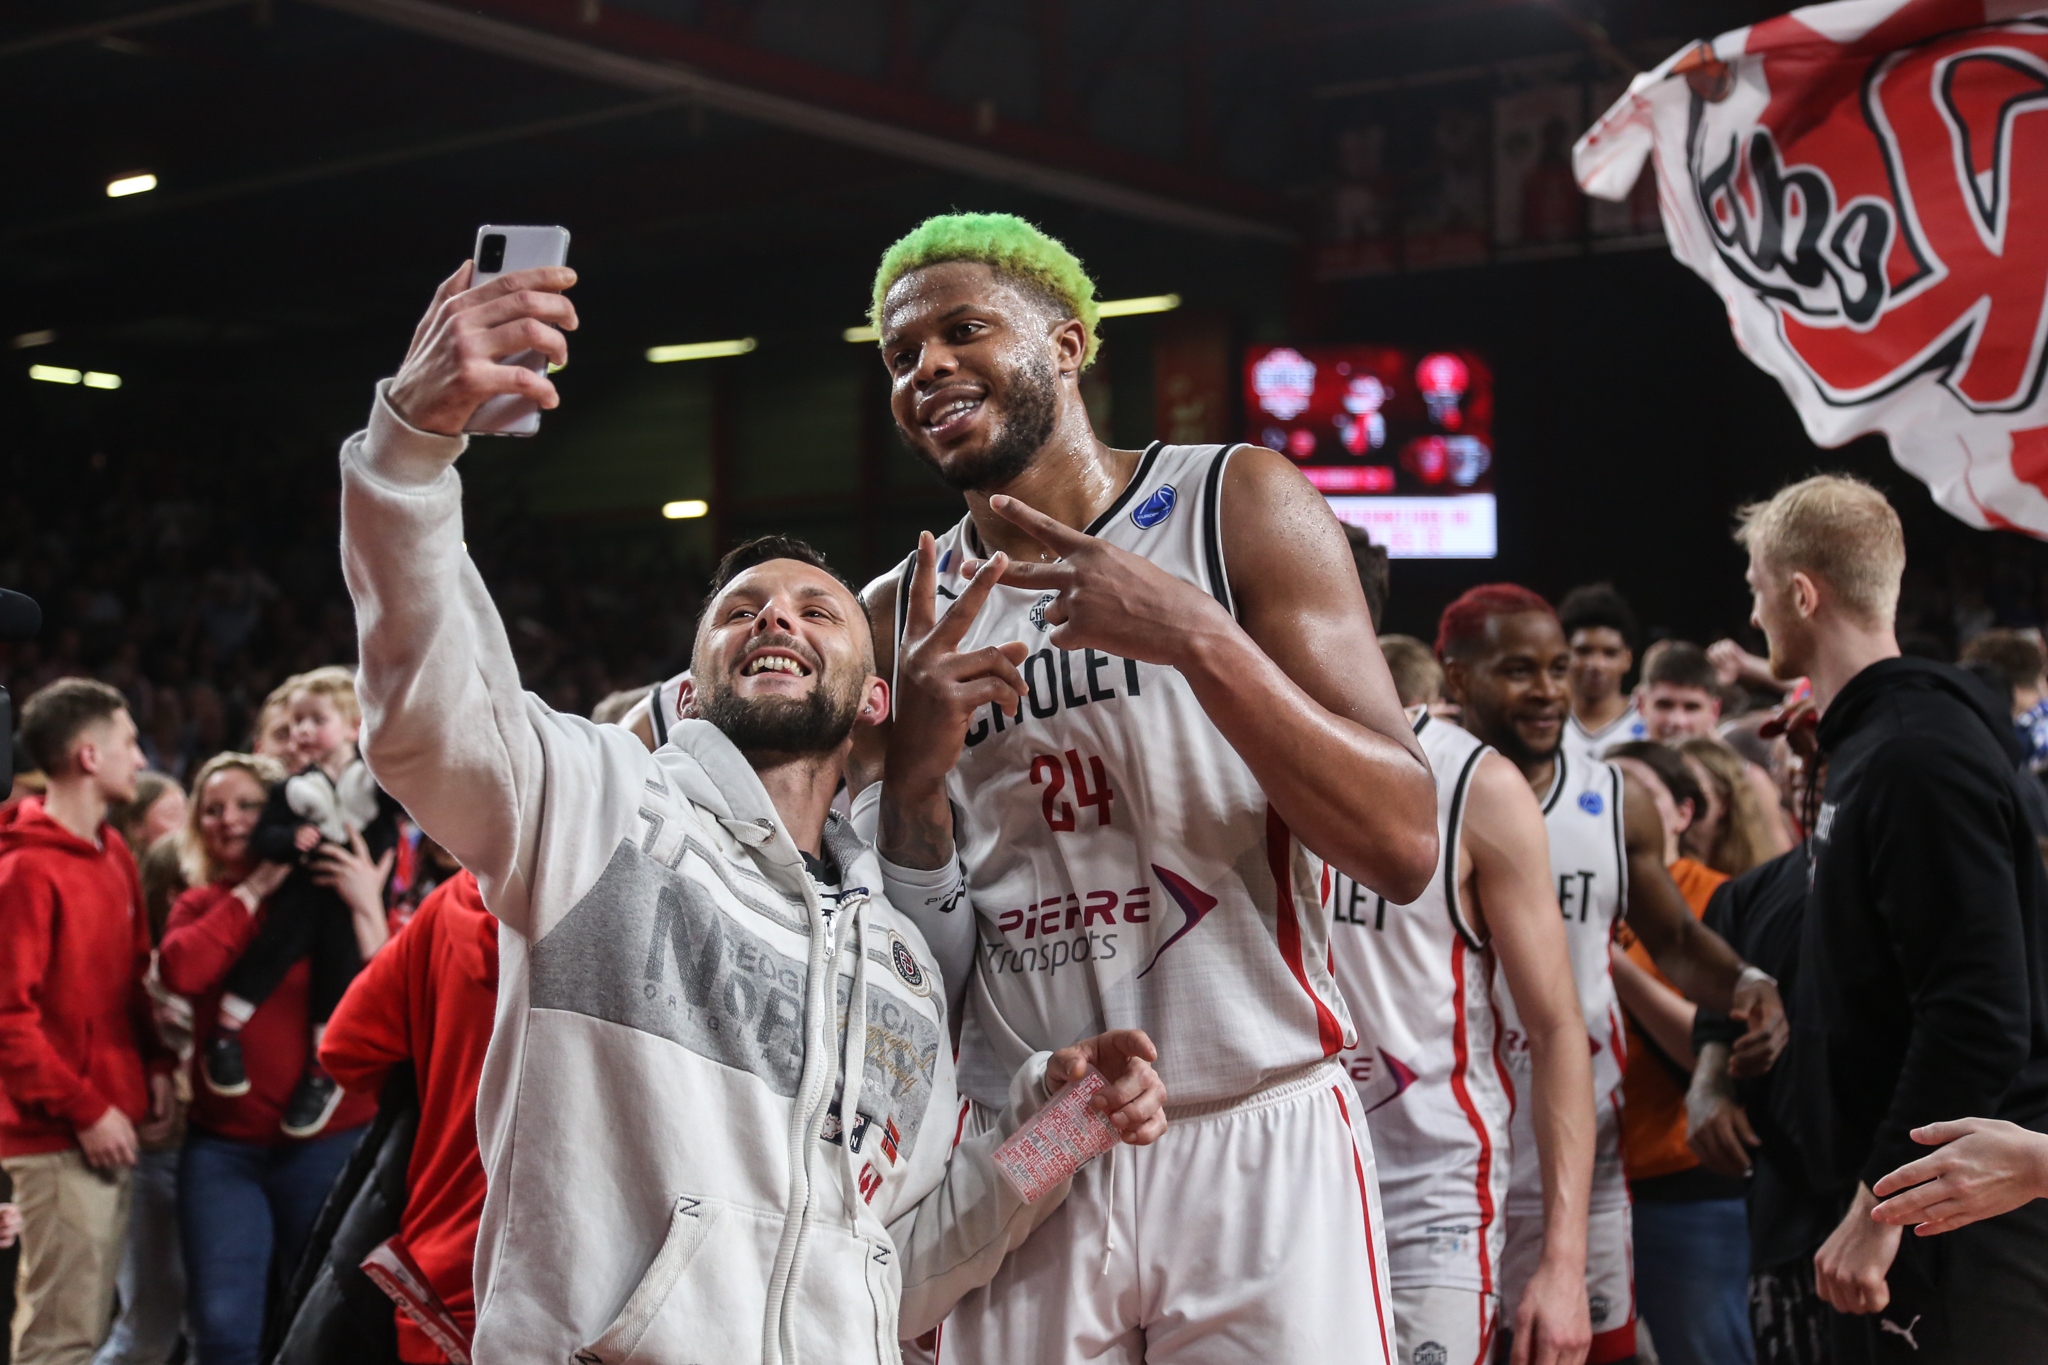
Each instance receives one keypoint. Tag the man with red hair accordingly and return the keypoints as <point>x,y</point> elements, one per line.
<point>1506,662</point>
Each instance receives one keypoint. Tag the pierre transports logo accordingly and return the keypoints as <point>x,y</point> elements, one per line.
<point>1895,221</point>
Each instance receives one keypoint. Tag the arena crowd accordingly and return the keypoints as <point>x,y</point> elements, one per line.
<point>1535,992</point>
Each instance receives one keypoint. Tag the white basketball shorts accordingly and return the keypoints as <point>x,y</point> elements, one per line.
<point>1610,1278</point>
<point>1249,1232</point>
<point>1438,1325</point>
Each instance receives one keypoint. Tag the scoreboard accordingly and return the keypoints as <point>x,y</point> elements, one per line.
<point>1399,440</point>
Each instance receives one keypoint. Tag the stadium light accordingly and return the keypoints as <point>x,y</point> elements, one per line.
<point>1108,308</point>
<point>687,509</point>
<point>700,350</point>
<point>54,374</point>
<point>126,185</point>
<point>1151,303</point>
<point>99,379</point>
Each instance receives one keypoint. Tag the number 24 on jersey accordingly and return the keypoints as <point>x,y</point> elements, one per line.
<point>1091,789</point>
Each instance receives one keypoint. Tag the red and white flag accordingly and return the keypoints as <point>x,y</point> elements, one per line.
<point>1866,185</point>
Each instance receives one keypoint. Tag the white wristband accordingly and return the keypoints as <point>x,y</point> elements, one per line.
<point>1751,975</point>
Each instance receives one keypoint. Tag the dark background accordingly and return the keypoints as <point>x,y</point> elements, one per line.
<point>323,166</point>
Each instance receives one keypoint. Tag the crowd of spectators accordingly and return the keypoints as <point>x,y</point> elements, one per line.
<point>196,593</point>
<point>201,1196</point>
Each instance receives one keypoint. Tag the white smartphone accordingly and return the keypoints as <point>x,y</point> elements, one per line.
<point>498,250</point>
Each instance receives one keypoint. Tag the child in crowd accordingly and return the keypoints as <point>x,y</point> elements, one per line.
<point>331,798</point>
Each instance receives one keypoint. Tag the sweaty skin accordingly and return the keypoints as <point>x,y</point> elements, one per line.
<point>1504,880</point>
<point>1296,684</point>
<point>1512,688</point>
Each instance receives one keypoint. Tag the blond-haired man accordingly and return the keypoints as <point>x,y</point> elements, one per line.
<point>1923,990</point>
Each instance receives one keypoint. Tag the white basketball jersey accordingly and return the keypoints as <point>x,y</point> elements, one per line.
<point>1428,1069</point>
<point>1126,868</point>
<point>1587,745</point>
<point>1589,858</point>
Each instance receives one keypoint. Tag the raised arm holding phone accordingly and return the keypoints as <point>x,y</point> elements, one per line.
<point>679,930</point>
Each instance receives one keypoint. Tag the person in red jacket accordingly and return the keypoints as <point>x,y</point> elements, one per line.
<point>246,1192</point>
<point>429,998</point>
<point>80,1063</point>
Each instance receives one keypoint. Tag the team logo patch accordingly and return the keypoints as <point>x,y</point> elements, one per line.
<point>1431,1353</point>
<point>1193,901</point>
<point>908,968</point>
<point>1154,509</point>
<point>1599,1308</point>
<point>1038,610</point>
<point>1591,803</point>
<point>1404,1076</point>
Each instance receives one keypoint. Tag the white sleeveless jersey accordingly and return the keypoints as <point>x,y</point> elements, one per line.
<point>1126,868</point>
<point>1427,1066</point>
<point>1589,858</point>
<point>1587,745</point>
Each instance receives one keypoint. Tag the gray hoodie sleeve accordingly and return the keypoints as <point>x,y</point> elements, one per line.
<point>447,729</point>
<point>952,1241</point>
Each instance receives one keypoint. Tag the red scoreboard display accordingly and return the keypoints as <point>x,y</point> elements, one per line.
<point>1399,440</point>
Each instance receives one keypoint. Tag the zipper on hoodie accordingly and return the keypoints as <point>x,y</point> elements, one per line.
<point>808,1127</point>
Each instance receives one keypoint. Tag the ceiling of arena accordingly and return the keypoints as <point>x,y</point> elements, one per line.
<point>727,166</point>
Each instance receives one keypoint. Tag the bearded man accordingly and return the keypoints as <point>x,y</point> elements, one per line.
<point>718,1111</point>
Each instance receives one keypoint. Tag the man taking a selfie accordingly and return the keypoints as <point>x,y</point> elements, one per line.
<point>722,1051</point>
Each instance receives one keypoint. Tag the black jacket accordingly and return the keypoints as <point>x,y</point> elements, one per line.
<point>1922,991</point>
<point>1761,914</point>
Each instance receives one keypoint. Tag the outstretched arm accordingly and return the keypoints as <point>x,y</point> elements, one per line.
<point>1693,957</point>
<point>1984,1167</point>
<point>1510,853</point>
<point>447,729</point>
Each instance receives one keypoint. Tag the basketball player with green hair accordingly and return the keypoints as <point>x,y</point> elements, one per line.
<point>1149,721</point>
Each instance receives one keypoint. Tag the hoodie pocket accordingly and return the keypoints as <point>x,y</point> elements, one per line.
<point>704,1299</point>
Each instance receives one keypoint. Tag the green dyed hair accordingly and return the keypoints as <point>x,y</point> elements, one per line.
<point>1005,244</point>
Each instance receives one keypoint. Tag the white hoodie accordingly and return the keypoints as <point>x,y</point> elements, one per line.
<point>669,1178</point>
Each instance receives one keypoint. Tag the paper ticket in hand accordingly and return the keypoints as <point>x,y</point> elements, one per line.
<point>1057,1140</point>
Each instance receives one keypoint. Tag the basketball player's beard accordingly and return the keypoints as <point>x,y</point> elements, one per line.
<point>816,723</point>
<point>1516,750</point>
<point>1030,408</point>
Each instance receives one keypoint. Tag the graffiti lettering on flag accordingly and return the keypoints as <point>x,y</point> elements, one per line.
<point>1866,185</point>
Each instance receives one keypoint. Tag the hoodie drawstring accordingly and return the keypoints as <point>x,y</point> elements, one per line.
<point>1109,1210</point>
<point>854,1064</point>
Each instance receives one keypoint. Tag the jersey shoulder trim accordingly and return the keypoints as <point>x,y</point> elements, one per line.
<point>1620,840</point>
<point>1453,829</point>
<point>1212,530</point>
<point>1138,479</point>
<point>1556,782</point>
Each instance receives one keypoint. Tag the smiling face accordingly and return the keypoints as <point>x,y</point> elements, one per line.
<point>784,663</point>
<point>978,370</point>
<point>1673,712</point>
<point>1512,686</point>
<point>228,806</point>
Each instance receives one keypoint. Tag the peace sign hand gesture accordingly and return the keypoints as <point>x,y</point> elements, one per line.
<point>938,688</point>
<point>1106,598</point>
